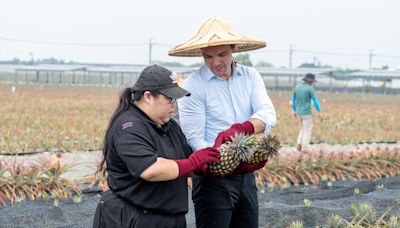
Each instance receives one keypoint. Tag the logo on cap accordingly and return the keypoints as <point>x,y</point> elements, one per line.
<point>173,76</point>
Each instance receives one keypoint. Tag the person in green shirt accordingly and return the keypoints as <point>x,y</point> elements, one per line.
<point>303,95</point>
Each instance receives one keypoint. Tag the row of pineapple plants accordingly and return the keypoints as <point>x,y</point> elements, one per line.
<point>363,215</point>
<point>310,168</point>
<point>305,168</point>
<point>39,179</point>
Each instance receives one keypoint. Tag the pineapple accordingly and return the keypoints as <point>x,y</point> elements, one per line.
<point>245,148</point>
<point>264,148</point>
<point>232,153</point>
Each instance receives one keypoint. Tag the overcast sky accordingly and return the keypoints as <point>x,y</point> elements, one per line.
<point>336,32</point>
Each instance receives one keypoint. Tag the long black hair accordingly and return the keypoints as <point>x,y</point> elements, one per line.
<point>125,103</point>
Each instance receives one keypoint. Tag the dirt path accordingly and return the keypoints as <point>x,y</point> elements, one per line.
<point>86,162</point>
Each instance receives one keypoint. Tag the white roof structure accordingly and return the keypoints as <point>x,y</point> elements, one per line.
<point>374,75</point>
<point>134,69</point>
<point>293,71</point>
<point>51,67</point>
<point>116,69</point>
<point>264,71</point>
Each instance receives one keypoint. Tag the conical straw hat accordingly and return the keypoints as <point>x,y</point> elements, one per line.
<point>215,32</point>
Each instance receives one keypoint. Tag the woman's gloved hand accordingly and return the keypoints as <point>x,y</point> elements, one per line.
<point>197,161</point>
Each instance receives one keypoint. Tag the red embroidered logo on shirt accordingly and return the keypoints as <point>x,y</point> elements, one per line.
<point>126,125</point>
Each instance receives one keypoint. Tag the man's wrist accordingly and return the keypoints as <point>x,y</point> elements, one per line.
<point>245,127</point>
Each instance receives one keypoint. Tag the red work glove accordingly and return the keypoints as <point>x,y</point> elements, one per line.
<point>197,161</point>
<point>225,136</point>
<point>248,167</point>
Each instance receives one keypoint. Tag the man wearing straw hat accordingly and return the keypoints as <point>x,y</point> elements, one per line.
<point>227,99</point>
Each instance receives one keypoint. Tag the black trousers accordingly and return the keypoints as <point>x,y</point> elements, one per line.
<point>228,202</point>
<point>114,212</point>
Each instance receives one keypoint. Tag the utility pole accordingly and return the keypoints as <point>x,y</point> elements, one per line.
<point>290,55</point>
<point>150,47</point>
<point>371,54</point>
<point>316,61</point>
<point>32,59</point>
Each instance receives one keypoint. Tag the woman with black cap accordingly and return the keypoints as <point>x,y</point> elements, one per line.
<point>147,158</point>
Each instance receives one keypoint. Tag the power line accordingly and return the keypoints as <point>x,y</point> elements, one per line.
<point>170,45</point>
<point>388,56</point>
<point>329,53</point>
<point>270,50</point>
<point>163,44</point>
<point>71,43</point>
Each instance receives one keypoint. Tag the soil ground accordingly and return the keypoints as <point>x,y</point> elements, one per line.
<point>278,207</point>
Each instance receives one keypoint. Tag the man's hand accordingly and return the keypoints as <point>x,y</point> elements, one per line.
<point>248,167</point>
<point>225,136</point>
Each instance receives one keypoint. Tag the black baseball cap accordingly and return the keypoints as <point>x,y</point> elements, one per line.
<point>310,77</point>
<point>158,78</point>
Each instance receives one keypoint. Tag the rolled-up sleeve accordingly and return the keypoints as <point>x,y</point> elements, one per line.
<point>261,103</point>
<point>192,115</point>
<point>134,149</point>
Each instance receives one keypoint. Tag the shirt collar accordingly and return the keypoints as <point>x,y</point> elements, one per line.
<point>164,128</point>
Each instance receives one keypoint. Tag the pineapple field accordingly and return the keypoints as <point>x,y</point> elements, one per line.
<point>36,118</point>
<point>348,178</point>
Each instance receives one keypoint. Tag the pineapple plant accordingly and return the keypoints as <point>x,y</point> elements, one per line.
<point>266,146</point>
<point>364,212</point>
<point>232,153</point>
<point>297,224</point>
<point>336,221</point>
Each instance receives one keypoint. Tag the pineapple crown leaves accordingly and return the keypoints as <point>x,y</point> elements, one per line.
<point>232,153</point>
<point>243,144</point>
<point>268,144</point>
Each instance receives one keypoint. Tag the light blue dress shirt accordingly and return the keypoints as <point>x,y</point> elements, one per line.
<point>215,104</point>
